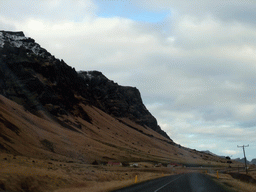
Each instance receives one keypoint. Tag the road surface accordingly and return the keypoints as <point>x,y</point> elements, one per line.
<point>190,182</point>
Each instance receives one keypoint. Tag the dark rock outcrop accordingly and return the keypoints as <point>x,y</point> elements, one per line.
<point>32,77</point>
<point>119,101</point>
<point>36,79</point>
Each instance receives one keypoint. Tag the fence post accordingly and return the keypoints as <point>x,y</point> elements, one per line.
<point>136,179</point>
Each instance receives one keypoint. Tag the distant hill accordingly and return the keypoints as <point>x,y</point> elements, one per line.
<point>241,160</point>
<point>253,161</point>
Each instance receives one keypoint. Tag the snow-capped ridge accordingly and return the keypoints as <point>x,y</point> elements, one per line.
<point>16,36</point>
<point>18,39</point>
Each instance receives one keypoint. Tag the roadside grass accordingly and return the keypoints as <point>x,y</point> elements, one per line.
<point>233,184</point>
<point>24,174</point>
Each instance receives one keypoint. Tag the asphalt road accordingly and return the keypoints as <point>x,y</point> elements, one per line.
<point>191,182</point>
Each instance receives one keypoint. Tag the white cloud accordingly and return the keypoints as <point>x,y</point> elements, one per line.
<point>230,152</point>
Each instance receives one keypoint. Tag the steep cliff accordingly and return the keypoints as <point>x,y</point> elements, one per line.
<point>32,77</point>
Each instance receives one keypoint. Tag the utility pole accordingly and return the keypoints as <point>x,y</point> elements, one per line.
<point>244,157</point>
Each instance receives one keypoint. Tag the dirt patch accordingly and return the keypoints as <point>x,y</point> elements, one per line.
<point>48,144</point>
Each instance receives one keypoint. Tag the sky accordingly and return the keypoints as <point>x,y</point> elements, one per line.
<point>194,62</point>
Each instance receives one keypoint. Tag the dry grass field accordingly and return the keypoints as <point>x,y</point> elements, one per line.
<point>238,183</point>
<point>24,174</point>
<point>70,138</point>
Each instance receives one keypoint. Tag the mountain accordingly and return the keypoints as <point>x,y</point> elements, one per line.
<point>53,91</point>
<point>253,161</point>
<point>48,110</point>
<point>241,160</point>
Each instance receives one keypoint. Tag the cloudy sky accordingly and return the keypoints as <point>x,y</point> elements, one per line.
<point>194,62</point>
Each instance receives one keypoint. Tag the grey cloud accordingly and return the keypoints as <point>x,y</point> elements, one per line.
<point>248,124</point>
<point>228,11</point>
<point>237,12</point>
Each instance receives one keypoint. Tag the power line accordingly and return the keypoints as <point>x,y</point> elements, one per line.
<point>244,157</point>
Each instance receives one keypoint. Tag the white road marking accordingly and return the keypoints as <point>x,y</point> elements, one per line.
<point>168,183</point>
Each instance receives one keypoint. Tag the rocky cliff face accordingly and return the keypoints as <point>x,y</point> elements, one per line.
<point>31,76</point>
<point>119,101</point>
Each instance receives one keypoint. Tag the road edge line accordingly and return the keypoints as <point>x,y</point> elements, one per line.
<point>168,183</point>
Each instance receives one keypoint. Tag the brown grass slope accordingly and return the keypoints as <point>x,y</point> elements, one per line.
<point>70,138</point>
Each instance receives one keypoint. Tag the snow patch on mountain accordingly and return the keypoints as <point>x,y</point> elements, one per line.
<point>86,74</point>
<point>15,37</point>
<point>18,39</point>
